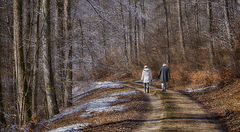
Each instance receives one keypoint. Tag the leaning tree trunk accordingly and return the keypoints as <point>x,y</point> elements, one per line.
<point>67,38</point>
<point>180,26</point>
<point>47,66</point>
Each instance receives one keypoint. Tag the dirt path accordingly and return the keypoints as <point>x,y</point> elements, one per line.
<point>173,111</point>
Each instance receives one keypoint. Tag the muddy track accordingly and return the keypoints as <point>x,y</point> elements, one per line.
<point>173,111</point>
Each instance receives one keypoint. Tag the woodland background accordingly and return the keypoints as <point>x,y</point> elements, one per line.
<point>48,46</point>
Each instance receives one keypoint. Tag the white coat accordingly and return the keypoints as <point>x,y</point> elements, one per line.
<point>146,75</point>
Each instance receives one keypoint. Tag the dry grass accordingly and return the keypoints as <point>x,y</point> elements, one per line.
<point>222,103</point>
<point>204,78</point>
<point>110,121</point>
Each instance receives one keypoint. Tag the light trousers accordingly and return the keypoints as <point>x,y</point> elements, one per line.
<point>163,86</point>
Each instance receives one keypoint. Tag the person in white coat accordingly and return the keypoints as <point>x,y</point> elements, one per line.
<point>146,78</point>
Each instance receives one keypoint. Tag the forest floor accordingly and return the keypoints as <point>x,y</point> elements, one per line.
<point>122,106</point>
<point>101,106</point>
<point>173,111</point>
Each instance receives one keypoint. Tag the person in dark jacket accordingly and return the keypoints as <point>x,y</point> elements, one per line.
<point>164,76</point>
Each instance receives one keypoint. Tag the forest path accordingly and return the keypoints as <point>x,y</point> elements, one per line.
<point>173,111</point>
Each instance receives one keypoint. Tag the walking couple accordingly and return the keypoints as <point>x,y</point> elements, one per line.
<point>164,76</point>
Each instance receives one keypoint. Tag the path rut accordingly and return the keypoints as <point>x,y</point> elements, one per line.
<point>173,111</point>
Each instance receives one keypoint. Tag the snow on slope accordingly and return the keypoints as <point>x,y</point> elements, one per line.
<point>77,91</point>
<point>70,128</point>
<point>104,104</point>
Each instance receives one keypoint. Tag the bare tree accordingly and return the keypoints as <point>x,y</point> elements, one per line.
<point>124,33</point>
<point>36,42</point>
<point>47,65</point>
<point>60,46</point>
<point>211,41</point>
<point>20,64</point>
<point>168,32</point>
<point>130,33</point>
<point>180,26</point>
<point>2,118</point>
<point>67,39</point>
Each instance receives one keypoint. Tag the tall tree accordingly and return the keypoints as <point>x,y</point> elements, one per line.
<point>210,26</point>
<point>136,32</point>
<point>20,64</point>
<point>67,39</point>
<point>233,46</point>
<point>60,46</point>
<point>124,33</point>
<point>180,26</point>
<point>2,118</point>
<point>47,57</point>
<point>26,37</point>
<point>168,32</point>
<point>130,33</point>
<point>196,7</point>
<point>36,44</point>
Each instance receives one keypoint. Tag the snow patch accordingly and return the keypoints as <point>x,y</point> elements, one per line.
<point>97,85</point>
<point>103,109</point>
<point>80,97</point>
<point>190,90</point>
<point>68,111</point>
<point>93,105</point>
<point>138,81</point>
<point>70,128</point>
<point>123,93</point>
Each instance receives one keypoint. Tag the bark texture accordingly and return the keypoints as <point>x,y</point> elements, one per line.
<point>47,65</point>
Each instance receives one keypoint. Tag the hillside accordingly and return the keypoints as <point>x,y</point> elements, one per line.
<point>99,107</point>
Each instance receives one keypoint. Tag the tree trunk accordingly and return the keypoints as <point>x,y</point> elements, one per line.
<point>60,47</point>
<point>2,118</point>
<point>227,24</point>
<point>233,46</point>
<point>180,26</point>
<point>82,38</point>
<point>47,66</point>
<point>19,62</point>
<point>196,6</point>
<point>135,35</point>
<point>124,34</point>
<point>26,30</point>
<point>36,55</point>
<point>211,42</point>
<point>67,37</point>
<point>130,34</point>
<point>168,33</point>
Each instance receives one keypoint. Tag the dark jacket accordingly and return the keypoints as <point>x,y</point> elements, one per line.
<point>164,74</point>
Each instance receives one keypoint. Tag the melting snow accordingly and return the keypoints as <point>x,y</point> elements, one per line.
<point>96,105</point>
<point>190,90</point>
<point>81,96</point>
<point>74,128</point>
<point>96,85</point>
<point>123,93</point>
<point>103,109</point>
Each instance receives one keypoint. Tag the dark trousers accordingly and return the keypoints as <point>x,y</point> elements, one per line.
<point>146,87</point>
